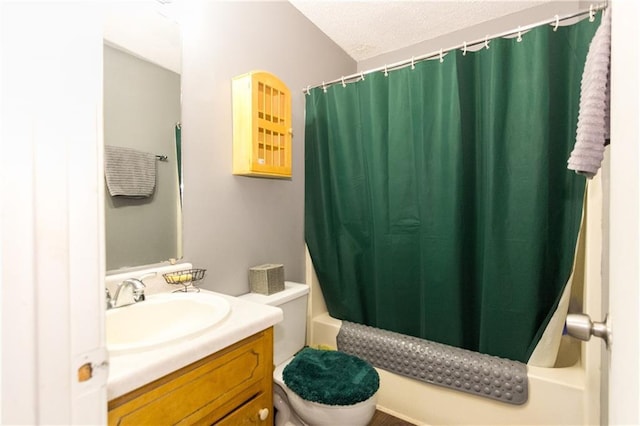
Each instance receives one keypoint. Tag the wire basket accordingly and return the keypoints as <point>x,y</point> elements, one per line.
<point>186,278</point>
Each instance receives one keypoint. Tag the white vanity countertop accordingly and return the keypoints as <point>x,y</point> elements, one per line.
<point>130,371</point>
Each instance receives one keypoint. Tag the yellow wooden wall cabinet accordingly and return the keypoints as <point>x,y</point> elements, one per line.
<point>261,126</point>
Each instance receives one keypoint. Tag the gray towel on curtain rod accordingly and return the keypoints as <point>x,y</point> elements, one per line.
<point>593,120</point>
<point>129,173</point>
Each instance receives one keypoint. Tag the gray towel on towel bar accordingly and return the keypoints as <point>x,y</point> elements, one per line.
<point>129,173</point>
<point>593,119</point>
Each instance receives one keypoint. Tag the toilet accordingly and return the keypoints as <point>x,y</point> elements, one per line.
<point>294,409</point>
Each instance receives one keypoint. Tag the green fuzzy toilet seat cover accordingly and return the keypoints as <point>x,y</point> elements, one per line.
<point>330,377</point>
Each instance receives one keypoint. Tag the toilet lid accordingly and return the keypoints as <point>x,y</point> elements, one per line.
<point>331,377</point>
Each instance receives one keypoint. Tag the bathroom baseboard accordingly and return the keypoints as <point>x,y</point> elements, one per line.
<point>383,418</point>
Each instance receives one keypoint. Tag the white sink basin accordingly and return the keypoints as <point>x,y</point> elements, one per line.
<point>163,319</point>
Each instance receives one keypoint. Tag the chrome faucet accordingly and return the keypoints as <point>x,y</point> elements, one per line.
<point>138,293</point>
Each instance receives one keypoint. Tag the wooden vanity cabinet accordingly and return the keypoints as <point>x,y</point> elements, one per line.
<point>233,386</point>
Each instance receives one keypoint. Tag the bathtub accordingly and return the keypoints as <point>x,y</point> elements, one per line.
<point>556,395</point>
<point>567,394</point>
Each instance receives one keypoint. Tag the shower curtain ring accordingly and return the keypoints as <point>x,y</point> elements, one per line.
<point>464,49</point>
<point>324,87</point>
<point>308,89</point>
<point>519,39</point>
<point>592,16</point>
<point>386,73</point>
<point>486,41</point>
<point>413,67</point>
<point>362,75</point>
<point>555,26</point>
<point>441,56</point>
<point>343,83</point>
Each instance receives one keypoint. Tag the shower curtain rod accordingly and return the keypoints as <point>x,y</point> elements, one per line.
<point>359,76</point>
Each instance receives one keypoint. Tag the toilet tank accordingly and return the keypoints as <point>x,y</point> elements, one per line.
<point>289,335</point>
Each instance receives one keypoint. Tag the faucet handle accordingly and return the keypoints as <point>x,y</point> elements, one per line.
<point>138,295</point>
<point>108,298</point>
<point>138,288</point>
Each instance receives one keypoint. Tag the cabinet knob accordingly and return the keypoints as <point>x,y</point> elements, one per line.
<point>263,414</point>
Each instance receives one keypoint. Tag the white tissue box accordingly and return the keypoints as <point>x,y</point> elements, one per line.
<point>266,279</point>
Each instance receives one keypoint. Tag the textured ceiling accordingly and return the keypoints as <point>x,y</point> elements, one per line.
<point>365,29</point>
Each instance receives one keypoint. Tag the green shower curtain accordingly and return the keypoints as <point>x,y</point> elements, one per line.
<point>438,202</point>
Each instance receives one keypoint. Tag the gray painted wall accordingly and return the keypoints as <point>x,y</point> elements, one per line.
<point>232,222</point>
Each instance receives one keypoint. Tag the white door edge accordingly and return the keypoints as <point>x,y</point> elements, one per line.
<point>624,253</point>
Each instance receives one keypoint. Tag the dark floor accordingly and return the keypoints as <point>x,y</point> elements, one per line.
<point>384,419</point>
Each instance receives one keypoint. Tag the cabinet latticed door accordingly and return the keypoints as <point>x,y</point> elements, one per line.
<point>261,126</point>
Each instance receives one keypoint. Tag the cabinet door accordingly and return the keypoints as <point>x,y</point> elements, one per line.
<point>261,126</point>
<point>205,391</point>
<point>272,124</point>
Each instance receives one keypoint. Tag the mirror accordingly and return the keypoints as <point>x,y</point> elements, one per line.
<point>142,111</point>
